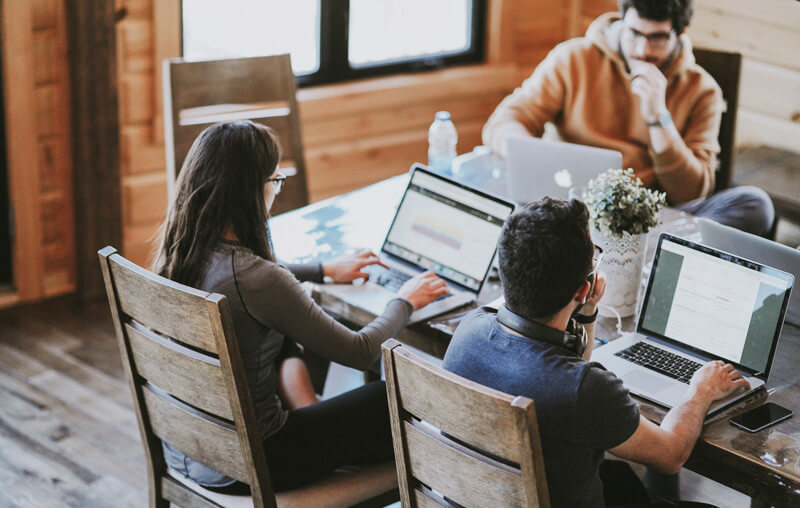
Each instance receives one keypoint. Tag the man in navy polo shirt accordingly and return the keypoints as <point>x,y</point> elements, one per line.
<point>538,345</point>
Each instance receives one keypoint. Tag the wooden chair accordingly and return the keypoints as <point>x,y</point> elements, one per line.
<point>183,365</point>
<point>456,441</point>
<point>261,89</point>
<point>725,68</point>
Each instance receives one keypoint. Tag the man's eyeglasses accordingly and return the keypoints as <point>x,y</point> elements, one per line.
<point>656,40</point>
<point>278,180</point>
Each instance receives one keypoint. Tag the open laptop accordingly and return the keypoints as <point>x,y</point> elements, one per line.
<point>440,225</point>
<point>700,304</point>
<point>760,250</point>
<point>536,168</point>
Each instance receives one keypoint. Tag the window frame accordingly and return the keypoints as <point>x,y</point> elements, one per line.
<point>334,65</point>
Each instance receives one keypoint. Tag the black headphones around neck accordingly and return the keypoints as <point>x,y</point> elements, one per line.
<point>574,338</point>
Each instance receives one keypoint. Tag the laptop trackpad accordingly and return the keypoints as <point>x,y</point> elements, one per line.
<point>643,382</point>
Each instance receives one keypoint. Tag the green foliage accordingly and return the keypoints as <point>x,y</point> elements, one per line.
<point>618,201</point>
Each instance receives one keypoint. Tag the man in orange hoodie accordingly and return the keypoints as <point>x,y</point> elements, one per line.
<point>632,85</point>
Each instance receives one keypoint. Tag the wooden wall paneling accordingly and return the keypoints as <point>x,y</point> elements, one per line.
<point>785,13</point>
<point>753,129</point>
<point>62,280</point>
<point>499,47</point>
<point>593,8</point>
<point>574,18</point>
<point>139,241</point>
<point>44,14</point>
<point>135,40</point>
<point>166,17</point>
<point>770,89</point>
<point>775,44</point>
<point>336,101</point>
<point>138,154</point>
<point>341,167</point>
<point>44,52</point>
<point>136,98</point>
<point>414,117</point>
<point>145,199</point>
<point>95,121</point>
<point>19,79</point>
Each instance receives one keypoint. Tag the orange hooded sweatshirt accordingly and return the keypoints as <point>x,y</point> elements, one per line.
<point>583,88</point>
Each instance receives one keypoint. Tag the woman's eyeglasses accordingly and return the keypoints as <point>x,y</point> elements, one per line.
<point>278,180</point>
<point>656,40</point>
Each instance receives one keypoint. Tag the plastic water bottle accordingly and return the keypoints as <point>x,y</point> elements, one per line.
<point>442,139</point>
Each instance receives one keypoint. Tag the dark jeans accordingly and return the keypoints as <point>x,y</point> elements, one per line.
<point>349,430</point>
<point>747,208</point>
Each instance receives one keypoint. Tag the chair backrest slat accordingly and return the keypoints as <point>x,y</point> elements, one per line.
<point>464,477</point>
<point>247,81</point>
<point>458,440</point>
<point>169,308</point>
<point>422,500</point>
<point>191,376</point>
<point>199,436</point>
<point>486,420</point>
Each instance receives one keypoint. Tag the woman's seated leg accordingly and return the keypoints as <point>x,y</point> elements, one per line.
<point>350,429</point>
<point>294,384</point>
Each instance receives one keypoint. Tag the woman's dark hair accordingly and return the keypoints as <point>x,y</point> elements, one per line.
<point>220,187</point>
<point>544,253</point>
<point>678,11</point>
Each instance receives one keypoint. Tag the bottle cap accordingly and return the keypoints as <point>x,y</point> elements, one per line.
<point>443,115</point>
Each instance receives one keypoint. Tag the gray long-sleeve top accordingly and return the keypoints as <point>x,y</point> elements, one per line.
<point>268,303</point>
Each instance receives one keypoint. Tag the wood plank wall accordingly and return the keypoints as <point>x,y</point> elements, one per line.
<point>53,148</point>
<point>767,33</point>
<point>36,83</point>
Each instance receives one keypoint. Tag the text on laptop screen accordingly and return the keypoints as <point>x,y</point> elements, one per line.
<point>447,228</point>
<point>715,305</point>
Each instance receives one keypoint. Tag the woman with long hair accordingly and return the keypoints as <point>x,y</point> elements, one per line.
<point>216,238</point>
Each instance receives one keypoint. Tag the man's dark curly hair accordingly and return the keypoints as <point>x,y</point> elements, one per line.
<point>678,11</point>
<point>544,253</point>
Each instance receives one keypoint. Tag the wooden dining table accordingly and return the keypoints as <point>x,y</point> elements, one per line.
<point>763,465</point>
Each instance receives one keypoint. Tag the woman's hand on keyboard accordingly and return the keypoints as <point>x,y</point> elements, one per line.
<point>347,268</point>
<point>421,290</point>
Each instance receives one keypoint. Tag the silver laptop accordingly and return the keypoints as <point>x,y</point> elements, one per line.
<point>700,304</point>
<point>537,168</point>
<point>758,249</point>
<point>440,225</point>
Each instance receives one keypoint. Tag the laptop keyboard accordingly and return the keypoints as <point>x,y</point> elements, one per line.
<point>391,279</point>
<point>659,360</point>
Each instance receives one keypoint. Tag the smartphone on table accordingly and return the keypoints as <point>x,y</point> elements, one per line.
<point>761,417</point>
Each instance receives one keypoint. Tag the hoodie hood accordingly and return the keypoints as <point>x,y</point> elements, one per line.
<point>604,33</point>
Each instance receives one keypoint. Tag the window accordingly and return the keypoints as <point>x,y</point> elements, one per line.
<point>336,40</point>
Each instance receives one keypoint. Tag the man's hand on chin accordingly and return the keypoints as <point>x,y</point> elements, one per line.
<point>650,85</point>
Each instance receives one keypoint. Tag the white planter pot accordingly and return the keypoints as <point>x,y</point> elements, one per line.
<point>623,259</point>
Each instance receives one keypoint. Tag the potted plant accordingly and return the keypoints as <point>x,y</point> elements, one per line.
<point>622,211</point>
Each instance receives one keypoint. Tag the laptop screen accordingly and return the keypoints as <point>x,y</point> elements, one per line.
<point>715,303</point>
<point>446,227</point>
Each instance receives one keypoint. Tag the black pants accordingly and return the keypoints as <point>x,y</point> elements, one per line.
<point>622,488</point>
<point>349,430</point>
